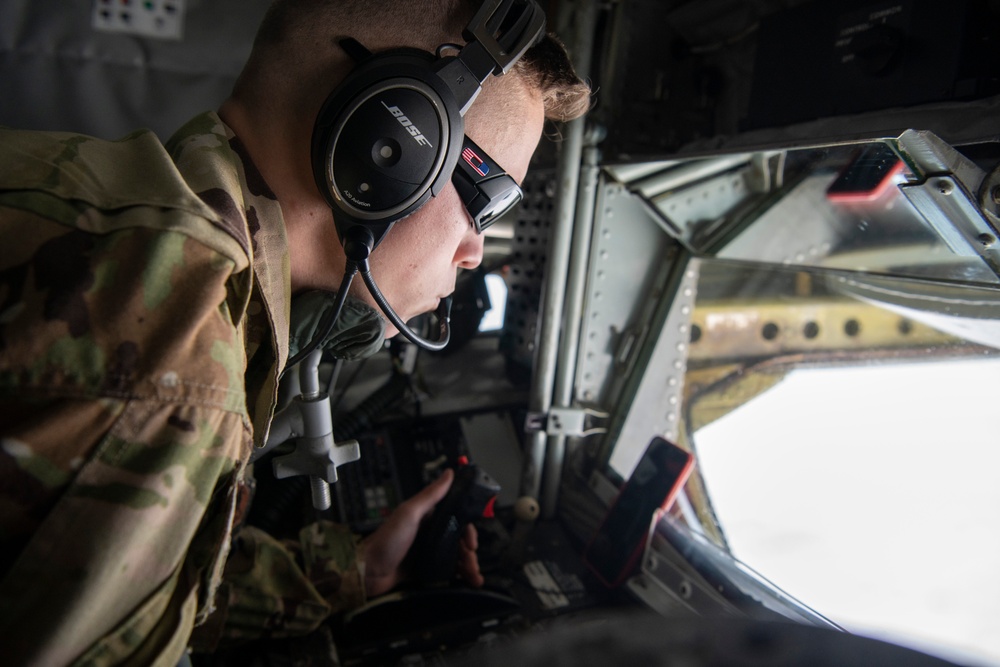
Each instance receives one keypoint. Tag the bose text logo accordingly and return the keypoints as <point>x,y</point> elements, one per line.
<point>410,127</point>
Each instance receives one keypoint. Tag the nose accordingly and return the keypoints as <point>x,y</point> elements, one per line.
<point>469,253</point>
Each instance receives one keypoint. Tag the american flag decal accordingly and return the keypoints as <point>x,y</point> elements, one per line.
<point>475,161</point>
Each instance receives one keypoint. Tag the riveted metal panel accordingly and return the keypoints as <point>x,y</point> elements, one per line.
<point>630,259</point>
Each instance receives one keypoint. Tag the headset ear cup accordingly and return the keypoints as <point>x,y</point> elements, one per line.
<point>386,140</point>
<point>388,149</point>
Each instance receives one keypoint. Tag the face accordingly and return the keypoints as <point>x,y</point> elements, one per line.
<point>416,264</point>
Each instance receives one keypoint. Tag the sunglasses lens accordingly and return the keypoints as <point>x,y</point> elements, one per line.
<point>497,207</point>
<point>485,188</point>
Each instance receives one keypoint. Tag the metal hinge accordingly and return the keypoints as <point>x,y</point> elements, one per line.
<point>570,422</point>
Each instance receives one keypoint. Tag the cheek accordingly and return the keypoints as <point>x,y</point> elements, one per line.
<point>436,229</point>
<point>414,246</point>
<point>423,243</point>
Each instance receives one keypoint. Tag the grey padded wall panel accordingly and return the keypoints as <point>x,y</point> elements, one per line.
<point>58,73</point>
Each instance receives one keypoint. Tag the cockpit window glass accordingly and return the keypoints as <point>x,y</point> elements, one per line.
<point>866,207</point>
<point>493,318</point>
<point>856,208</point>
<point>843,432</point>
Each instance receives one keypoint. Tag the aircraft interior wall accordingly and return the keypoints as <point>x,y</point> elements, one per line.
<point>63,68</point>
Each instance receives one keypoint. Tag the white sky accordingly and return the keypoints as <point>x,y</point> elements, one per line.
<point>497,289</point>
<point>872,495</point>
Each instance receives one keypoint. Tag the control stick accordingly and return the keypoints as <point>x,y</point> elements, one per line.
<point>435,549</point>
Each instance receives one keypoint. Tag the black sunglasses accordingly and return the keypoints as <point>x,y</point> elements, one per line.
<point>485,188</point>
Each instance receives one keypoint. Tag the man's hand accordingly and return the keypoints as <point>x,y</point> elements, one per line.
<point>385,549</point>
<point>468,562</point>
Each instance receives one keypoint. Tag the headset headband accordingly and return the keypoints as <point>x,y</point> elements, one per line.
<point>497,38</point>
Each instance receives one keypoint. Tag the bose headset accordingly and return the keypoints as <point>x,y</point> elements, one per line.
<point>392,135</point>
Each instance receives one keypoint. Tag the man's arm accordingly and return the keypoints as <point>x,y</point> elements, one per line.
<point>122,437</point>
<point>274,589</point>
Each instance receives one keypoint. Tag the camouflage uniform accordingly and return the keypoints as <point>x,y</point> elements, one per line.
<point>144,296</point>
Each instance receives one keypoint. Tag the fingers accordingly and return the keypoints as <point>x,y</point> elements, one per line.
<point>470,538</point>
<point>423,502</point>
<point>468,561</point>
<point>386,548</point>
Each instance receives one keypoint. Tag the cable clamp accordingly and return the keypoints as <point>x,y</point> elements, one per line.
<point>569,422</point>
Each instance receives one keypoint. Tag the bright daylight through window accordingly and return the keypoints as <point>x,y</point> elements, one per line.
<point>859,476</point>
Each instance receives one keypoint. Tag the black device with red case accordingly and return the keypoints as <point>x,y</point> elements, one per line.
<point>654,484</point>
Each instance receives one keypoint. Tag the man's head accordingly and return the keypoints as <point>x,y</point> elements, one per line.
<point>297,61</point>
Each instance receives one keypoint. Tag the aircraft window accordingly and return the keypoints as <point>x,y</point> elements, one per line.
<point>842,429</point>
<point>493,318</point>
<point>876,207</point>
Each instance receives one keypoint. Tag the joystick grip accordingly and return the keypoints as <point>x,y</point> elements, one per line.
<point>435,549</point>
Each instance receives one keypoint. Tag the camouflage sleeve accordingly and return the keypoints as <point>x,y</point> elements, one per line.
<point>123,432</point>
<point>334,564</point>
<point>274,589</point>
